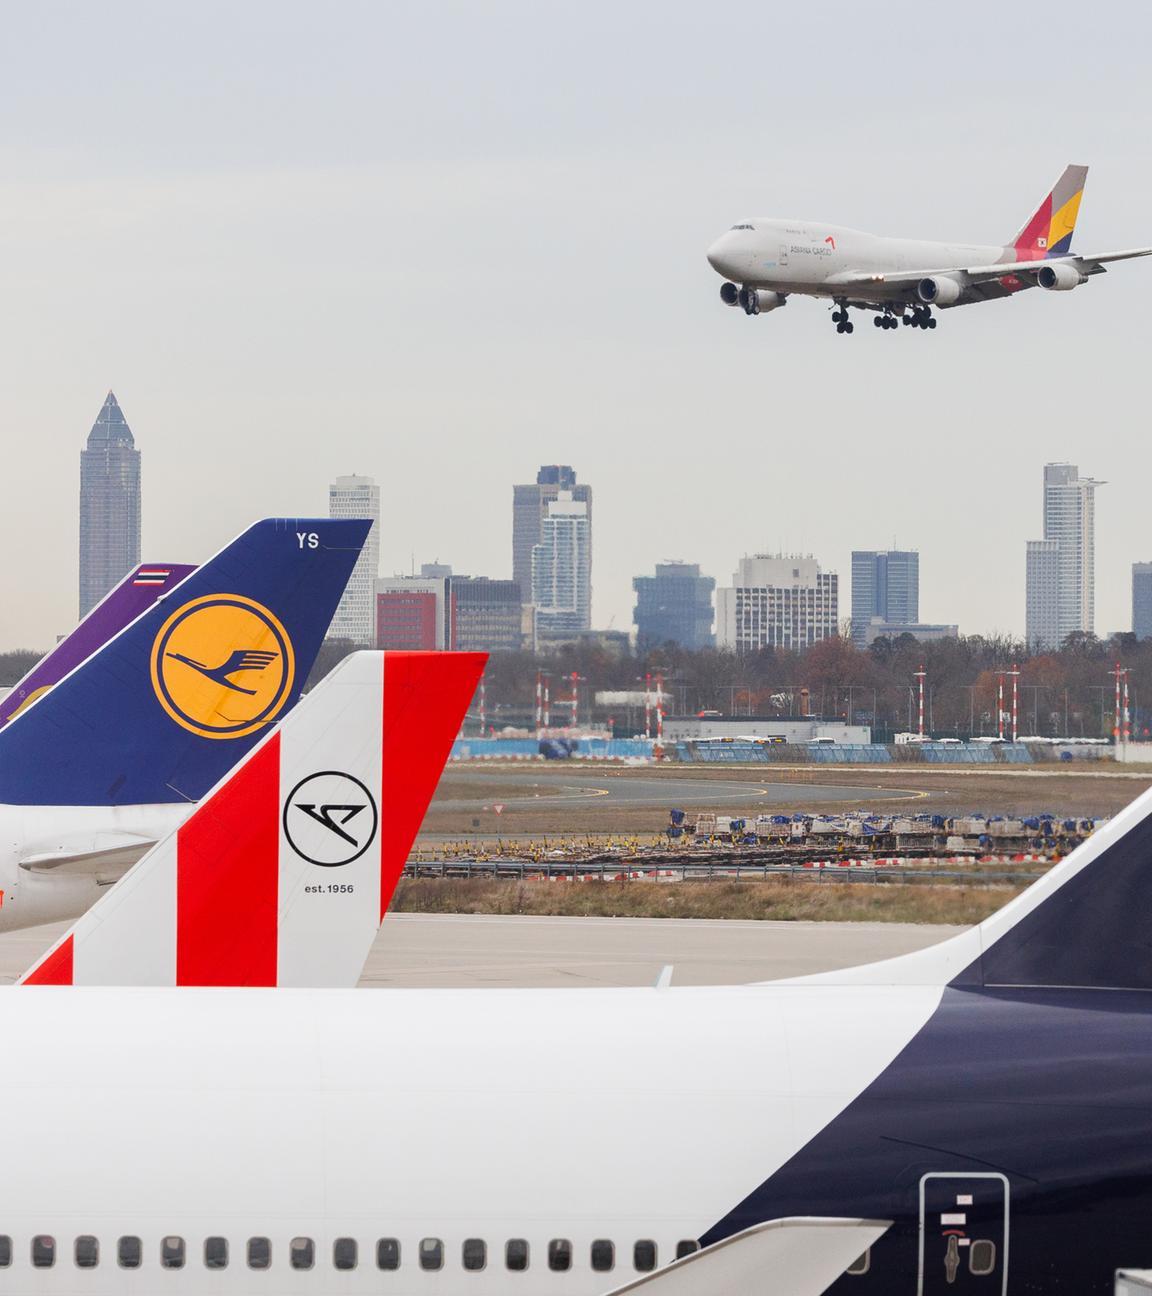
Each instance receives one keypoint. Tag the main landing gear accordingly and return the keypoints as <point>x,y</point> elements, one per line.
<point>920,317</point>
<point>885,321</point>
<point>841,320</point>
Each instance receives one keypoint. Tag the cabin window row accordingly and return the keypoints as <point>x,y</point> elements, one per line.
<point>302,1253</point>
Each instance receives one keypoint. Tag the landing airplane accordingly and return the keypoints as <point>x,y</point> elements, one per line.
<point>120,606</point>
<point>974,1118</point>
<point>766,260</point>
<point>99,768</point>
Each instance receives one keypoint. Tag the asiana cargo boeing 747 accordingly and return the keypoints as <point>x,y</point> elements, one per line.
<point>764,261</point>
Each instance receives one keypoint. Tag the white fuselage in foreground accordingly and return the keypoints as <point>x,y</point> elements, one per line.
<point>34,889</point>
<point>623,1115</point>
<point>790,256</point>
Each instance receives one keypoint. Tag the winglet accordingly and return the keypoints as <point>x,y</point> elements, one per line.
<point>284,871</point>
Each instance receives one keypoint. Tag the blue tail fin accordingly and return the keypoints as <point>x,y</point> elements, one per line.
<point>169,705</point>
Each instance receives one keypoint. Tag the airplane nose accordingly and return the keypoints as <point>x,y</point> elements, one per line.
<point>715,256</point>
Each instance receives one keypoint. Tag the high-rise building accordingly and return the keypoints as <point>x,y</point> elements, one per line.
<point>485,615</point>
<point>885,588</point>
<point>1142,600</point>
<point>412,612</point>
<point>355,618</point>
<point>777,601</point>
<point>530,508</point>
<point>561,569</point>
<point>674,606</point>
<point>1055,611</point>
<point>109,505</point>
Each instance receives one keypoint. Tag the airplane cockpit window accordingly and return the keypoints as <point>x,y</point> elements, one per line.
<point>982,1258</point>
<point>560,1255</point>
<point>43,1251</point>
<point>861,1264</point>
<point>474,1253</point>
<point>516,1254</point>
<point>388,1253</point>
<point>5,1250</point>
<point>259,1253</point>
<point>603,1255</point>
<point>215,1253</point>
<point>86,1252</point>
<point>686,1248</point>
<point>644,1256</point>
<point>344,1253</point>
<point>172,1253</point>
<point>128,1253</point>
<point>431,1253</point>
<point>301,1253</point>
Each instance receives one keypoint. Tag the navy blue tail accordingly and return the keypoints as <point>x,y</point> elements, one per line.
<point>169,705</point>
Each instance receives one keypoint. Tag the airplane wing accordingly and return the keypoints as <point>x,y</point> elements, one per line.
<point>109,854</point>
<point>801,1256</point>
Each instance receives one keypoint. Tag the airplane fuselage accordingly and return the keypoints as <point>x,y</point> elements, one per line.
<point>1007,1134</point>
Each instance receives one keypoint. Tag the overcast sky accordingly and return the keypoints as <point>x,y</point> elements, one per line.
<point>443,243</point>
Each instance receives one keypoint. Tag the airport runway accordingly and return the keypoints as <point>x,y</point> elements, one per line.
<point>460,950</point>
<point>521,788</point>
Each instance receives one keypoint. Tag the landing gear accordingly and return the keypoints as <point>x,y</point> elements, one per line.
<point>921,317</point>
<point>841,320</point>
<point>885,321</point>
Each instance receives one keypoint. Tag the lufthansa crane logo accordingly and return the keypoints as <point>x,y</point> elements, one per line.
<point>330,819</point>
<point>222,666</point>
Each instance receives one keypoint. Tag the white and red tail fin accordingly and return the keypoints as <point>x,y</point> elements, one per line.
<point>285,870</point>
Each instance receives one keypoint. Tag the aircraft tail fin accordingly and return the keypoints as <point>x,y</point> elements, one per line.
<point>120,606</point>
<point>161,711</point>
<point>283,873</point>
<point>1048,232</point>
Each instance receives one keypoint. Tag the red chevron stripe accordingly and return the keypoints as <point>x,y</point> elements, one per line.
<point>56,969</point>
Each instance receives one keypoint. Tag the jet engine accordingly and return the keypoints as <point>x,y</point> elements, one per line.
<point>1060,277</point>
<point>758,300</point>
<point>729,294</point>
<point>939,292</point>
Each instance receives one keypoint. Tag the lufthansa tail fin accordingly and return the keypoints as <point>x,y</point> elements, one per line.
<point>282,875</point>
<point>142,587</point>
<point>1049,231</point>
<point>167,706</point>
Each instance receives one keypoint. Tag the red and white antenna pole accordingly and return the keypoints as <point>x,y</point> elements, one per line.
<point>575,702</point>
<point>539,703</point>
<point>659,707</point>
<point>647,706</point>
<point>1015,701</point>
<point>1000,705</point>
<point>919,675</point>
<point>547,702</point>
<point>483,707</point>
<point>1127,712</point>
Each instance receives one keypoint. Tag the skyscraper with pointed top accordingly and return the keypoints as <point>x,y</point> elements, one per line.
<point>109,505</point>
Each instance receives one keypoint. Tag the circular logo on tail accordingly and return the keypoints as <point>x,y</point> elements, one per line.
<point>222,666</point>
<point>330,819</point>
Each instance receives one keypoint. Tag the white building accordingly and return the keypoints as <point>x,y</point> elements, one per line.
<point>777,601</point>
<point>1066,604</point>
<point>355,619</point>
<point>562,568</point>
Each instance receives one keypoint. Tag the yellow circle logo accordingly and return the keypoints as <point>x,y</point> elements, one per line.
<point>222,666</point>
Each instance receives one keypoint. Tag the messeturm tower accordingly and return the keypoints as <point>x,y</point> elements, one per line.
<point>109,505</point>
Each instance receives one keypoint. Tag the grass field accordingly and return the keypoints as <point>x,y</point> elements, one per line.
<point>779,899</point>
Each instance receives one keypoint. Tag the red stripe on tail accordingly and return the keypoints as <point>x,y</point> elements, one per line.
<point>228,878</point>
<point>56,969</point>
<point>426,695</point>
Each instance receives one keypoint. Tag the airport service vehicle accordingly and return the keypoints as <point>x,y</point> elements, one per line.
<point>972,1118</point>
<point>120,606</point>
<point>765,261</point>
<point>103,765</point>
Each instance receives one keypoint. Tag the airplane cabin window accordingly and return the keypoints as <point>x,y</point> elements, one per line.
<point>301,1253</point>
<point>215,1253</point>
<point>259,1253</point>
<point>861,1264</point>
<point>981,1258</point>
<point>644,1256</point>
<point>5,1250</point>
<point>86,1252</point>
<point>388,1253</point>
<point>128,1252</point>
<point>687,1247</point>
<point>431,1253</point>
<point>172,1253</point>
<point>43,1251</point>
<point>344,1253</point>
<point>474,1253</point>
<point>603,1255</point>
<point>516,1254</point>
<point>560,1255</point>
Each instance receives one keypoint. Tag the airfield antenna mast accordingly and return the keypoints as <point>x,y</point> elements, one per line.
<point>1015,673</point>
<point>659,708</point>
<point>1000,705</point>
<point>647,706</point>
<point>919,675</point>
<point>483,708</point>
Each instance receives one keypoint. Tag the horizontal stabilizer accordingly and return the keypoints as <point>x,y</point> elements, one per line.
<point>786,1257</point>
<point>109,854</point>
<point>283,873</point>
